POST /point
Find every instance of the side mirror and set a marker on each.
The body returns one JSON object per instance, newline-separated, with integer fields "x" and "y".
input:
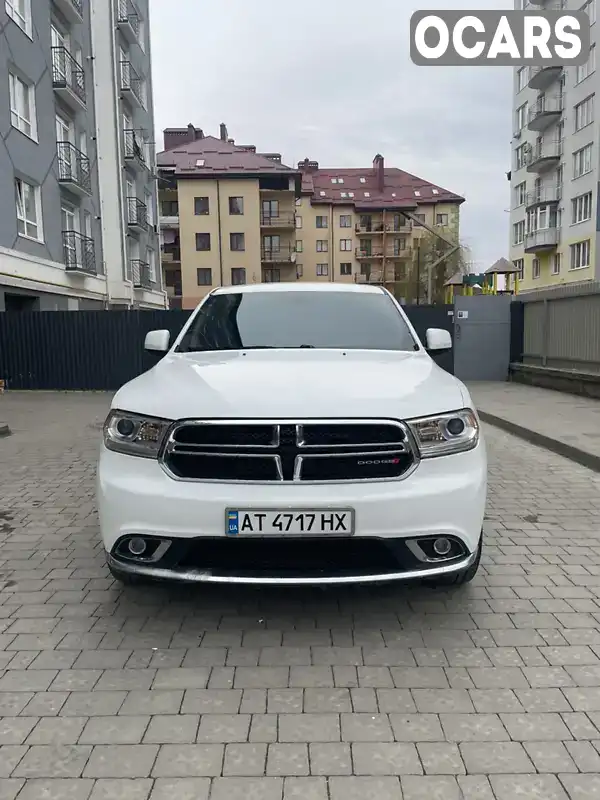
{"x": 157, "y": 341}
{"x": 438, "y": 339}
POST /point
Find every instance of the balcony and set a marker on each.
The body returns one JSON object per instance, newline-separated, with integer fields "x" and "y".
{"x": 543, "y": 197}
{"x": 128, "y": 21}
{"x": 542, "y": 241}
{"x": 171, "y": 254}
{"x": 169, "y": 222}
{"x": 399, "y": 253}
{"x": 140, "y": 274}
{"x": 544, "y": 158}
{"x": 369, "y": 228}
{"x": 72, "y": 10}
{"x": 284, "y": 254}
{"x": 405, "y": 227}
{"x": 74, "y": 169}
{"x": 368, "y": 254}
{"x": 542, "y": 77}
{"x": 133, "y": 152}
{"x": 545, "y": 112}
{"x": 131, "y": 84}
{"x": 137, "y": 215}
{"x": 79, "y": 253}
{"x": 68, "y": 78}
{"x": 282, "y": 221}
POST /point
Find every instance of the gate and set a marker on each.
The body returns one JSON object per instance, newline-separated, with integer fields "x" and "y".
{"x": 102, "y": 350}
{"x": 482, "y": 338}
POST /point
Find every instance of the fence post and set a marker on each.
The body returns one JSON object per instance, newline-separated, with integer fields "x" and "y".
{"x": 545, "y": 333}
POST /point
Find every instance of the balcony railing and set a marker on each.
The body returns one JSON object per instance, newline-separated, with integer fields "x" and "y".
{"x": 133, "y": 150}
{"x": 545, "y": 156}
{"x": 370, "y": 252}
{"x": 552, "y": 194}
{"x": 131, "y": 82}
{"x": 79, "y": 252}
{"x": 541, "y": 77}
{"x": 137, "y": 213}
{"x": 284, "y": 254}
{"x": 68, "y": 75}
{"x": 280, "y": 221}
{"x": 74, "y": 168}
{"x": 545, "y": 112}
{"x": 140, "y": 274}
{"x": 372, "y": 227}
{"x": 544, "y": 239}
{"x": 72, "y": 10}
{"x": 128, "y": 20}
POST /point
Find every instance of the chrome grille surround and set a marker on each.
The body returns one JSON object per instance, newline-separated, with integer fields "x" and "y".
{"x": 401, "y": 444}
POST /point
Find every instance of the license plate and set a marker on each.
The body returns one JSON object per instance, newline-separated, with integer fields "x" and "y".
{"x": 290, "y": 522}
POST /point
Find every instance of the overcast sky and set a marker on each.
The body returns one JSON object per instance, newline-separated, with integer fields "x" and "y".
{"x": 333, "y": 81}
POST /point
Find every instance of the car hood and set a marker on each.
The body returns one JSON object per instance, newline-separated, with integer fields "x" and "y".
{"x": 293, "y": 383}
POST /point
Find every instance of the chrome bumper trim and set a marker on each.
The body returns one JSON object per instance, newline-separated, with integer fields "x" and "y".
{"x": 206, "y": 576}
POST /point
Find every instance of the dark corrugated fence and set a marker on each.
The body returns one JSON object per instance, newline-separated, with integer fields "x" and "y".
{"x": 102, "y": 350}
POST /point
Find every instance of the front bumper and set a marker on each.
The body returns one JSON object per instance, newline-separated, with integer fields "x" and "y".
{"x": 443, "y": 497}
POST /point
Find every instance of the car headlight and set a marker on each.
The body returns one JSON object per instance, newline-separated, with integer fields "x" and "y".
{"x": 134, "y": 434}
{"x": 445, "y": 434}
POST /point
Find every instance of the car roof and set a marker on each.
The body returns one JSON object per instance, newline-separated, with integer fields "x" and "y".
{"x": 346, "y": 288}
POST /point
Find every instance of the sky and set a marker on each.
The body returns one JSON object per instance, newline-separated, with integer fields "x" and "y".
{"x": 333, "y": 81}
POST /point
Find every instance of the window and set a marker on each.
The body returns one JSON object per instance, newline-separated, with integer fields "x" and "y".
{"x": 22, "y": 105}
{"x": 299, "y": 270}
{"x": 345, "y": 220}
{"x": 520, "y": 194}
{"x": 520, "y": 265}
{"x": 203, "y": 241}
{"x": 522, "y": 78}
{"x": 583, "y": 71}
{"x": 581, "y": 208}
{"x": 204, "y": 276}
{"x": 419, "y": 219}
{"x": 170, "y": 208}
{"x": 345, "y": 269}
{"x": 271, "y": 275}
{"x": 201, "y": 206}
{"x": 519, "y": 232}
{"x": 580, "y": 255}
{"x": 521, "y": 155}
{"x": 322, "y": 246}
{"x": 299, "y": 245}
{"x": 584, "y": 113}
{"x": 29, "y": 210}
{"x": 556, "y": 264}
{"x": 270, "y": 209}
{"x": 20, "y": 12}
{"x": 535, "y": 268}
{"x": 298, "y": 221}
{"x": 582, "y": 161}
{"x": 322, "y": 269}
{"x": 345, "y": 245}
{"x": 237, "y": 241}
{"x": 238, "y": 276}
{"x": 321, "y": 222}
{"x": 441, "y": 219}
{"x": 236, "y": 205}
{"x": 521, "y": 117}
{"x": 399, "y": 245}
{"x": 335, "y": 319}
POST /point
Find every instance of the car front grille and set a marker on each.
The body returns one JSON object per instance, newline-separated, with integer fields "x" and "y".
{"x": 311, "y": 451}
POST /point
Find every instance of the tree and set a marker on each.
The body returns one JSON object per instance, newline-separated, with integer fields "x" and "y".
{"x": 428, "y": 249}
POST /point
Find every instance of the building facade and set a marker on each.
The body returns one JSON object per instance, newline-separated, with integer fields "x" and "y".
{"x": 554, "y": 174}
{"x": 232, "y": 215}
{"x": 62, "y": 247}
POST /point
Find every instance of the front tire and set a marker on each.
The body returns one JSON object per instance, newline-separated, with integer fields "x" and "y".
{"x": 460, "y": 578}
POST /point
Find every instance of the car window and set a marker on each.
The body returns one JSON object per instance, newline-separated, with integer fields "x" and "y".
{"x": 345, "y": 320}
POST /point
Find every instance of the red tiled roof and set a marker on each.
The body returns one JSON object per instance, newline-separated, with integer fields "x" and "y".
{"x": 399, "y": 188}
{"x": 211, "y": 156}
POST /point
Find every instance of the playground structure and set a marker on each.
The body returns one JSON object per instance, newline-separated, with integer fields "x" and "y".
{"x": 484, "y": 282}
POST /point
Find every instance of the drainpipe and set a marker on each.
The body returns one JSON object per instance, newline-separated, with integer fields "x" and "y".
{"x": 220, "y": 234}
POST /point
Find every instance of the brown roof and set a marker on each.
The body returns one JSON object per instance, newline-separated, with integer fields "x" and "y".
{"x": 360, "y": 188}
{"x": 455, "y": 280}
{"x": 502, "y": 267}
{"x": 210, "y": 156}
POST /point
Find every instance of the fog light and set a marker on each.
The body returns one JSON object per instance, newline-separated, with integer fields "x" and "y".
{"x": 442, "y": 547}
{"x": 137, "y": 546}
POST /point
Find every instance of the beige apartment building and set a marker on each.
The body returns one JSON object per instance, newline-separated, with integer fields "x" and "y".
{"x": 231, "y": 215}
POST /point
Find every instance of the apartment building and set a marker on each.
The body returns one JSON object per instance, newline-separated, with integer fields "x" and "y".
{"x": 554, "y": 174}
{"x": 231, "y": 215}
{"x": 77, "y": 163}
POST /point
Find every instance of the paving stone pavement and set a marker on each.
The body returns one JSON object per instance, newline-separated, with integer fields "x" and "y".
{"x": 487, "y": 691}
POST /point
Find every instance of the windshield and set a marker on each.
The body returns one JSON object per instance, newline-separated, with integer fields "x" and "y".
{"x": 340, "y": 320}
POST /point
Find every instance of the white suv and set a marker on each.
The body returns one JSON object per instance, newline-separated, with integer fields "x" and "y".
{"x": 294, "y": 434}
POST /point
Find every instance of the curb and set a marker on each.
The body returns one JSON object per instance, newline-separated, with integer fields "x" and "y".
{"x": 4, "y": 429}
{"x": 560, "y": 448}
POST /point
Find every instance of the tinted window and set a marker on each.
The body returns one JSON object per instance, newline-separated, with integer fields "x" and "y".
{"x": 344, "y": 320}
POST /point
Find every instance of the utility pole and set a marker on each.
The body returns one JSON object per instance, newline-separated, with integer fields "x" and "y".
{"x": 418, "y": 273}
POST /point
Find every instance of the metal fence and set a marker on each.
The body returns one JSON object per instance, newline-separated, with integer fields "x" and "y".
{"x": 102, "y": 350}
{"x": 562, "y": 328}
